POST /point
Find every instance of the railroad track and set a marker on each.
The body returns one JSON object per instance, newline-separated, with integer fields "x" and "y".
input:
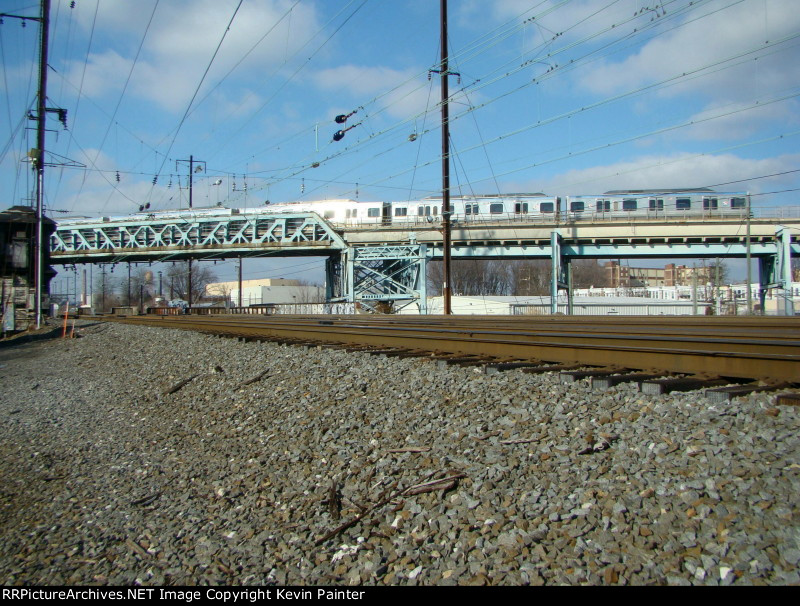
{"x": 765, "y": 349}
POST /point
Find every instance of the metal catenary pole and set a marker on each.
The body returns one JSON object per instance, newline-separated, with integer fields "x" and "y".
{"x": 40, "y": 161}
{"x": 446, "y": 238}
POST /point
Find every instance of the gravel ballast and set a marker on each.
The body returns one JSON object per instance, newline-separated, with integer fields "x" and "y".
{"x": 288, "y": 465}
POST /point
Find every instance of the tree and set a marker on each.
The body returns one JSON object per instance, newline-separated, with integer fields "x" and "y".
{"x": 109, "y": 289}
{"x": 531, "y": 277}
{"x": 500, "y": 277}
{"x": 587, "y": 273}
{"x": 468, "y": 277}
{"x": 178, "y": 278}
{"x": 717, "y": 272}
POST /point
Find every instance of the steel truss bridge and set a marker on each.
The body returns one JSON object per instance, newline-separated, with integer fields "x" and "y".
{"x": 373, "y": 263}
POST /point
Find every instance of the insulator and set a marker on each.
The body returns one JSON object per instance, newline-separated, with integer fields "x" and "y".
{"x": 340, "y": 119}
{"x": 338, "y": 135}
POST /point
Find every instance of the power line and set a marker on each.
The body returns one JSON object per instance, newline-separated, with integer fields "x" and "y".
{"x": 297, "y": 71}
{"x": 197, "y": 90}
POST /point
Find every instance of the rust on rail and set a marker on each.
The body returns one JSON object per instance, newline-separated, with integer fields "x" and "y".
{"x": 752, "y": 347}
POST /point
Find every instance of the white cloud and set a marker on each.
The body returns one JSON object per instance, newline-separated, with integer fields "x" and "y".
{"x": 705, "y": 42}
{"x": 748, "y": 120}
{"x": 684, "y": 170}
{"x": 181, "y": 41}
{"x": 403, "y": 94}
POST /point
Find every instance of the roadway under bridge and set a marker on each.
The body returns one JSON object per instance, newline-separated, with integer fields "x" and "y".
{"x": 388, "y": 263}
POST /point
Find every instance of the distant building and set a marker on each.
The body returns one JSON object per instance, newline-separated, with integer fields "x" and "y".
{"x": 266, "y": 291}
{"x": 624, "y": 276}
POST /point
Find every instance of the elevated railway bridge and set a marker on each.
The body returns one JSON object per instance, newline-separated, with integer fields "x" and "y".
{"x": 384, "y": 262}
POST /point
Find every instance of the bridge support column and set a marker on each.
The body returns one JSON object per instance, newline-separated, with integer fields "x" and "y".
{"x": 561, "y": 274}
{"x": 382, "y": 277}
{"x": 333, "y": 277}
{"x": 784, "y": 269}
{"x": 775, "y": 272}
{"x": 766, "y": 279}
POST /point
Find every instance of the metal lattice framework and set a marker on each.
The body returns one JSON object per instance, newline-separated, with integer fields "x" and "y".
{"x": 229, "y": 235}
{"x": 386, "y": 273}
{"x": 362, "y": 267}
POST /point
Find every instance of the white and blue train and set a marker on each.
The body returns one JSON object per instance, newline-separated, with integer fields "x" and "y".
{"x": 632, "y": 204}
{"x": 652, "y": 204}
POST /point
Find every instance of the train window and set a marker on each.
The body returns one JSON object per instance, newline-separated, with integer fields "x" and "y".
{"x": 576, "y": 207}
{"x": 546, "y": 207}
{"x": 420, "y": 211}
{"x": 373, "y": 212}
{"x": 400, "y": 211}
{"x": 683, "y": 203}
{"x": 521, "y": 207}
{"x": 629, "y": 204}
{"x": 329, "y": 214}
{"x": 496, "y": 209}
{"x": 603, "y": 205}
{"x": 710, "y": 203}
{"x": 471, "y": 209}
{"x": 738, "y": 202}
{"x": 656, "y": 204}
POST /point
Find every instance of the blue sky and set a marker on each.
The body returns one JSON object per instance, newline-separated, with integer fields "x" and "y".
{"x": 559, "y": 96}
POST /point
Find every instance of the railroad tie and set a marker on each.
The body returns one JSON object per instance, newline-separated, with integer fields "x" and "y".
{"x": 726, "y": 394}
{"x": 601, "y": 383}
{"x": 662, "y": 386}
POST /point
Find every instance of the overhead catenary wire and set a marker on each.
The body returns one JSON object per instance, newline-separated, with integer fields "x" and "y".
{"x": 386, "y": 144}
{"x": 75, "y": 111}
{"x": 350, "y": 149}
{"x": 456, "y": 54}
{"x": 297, "y": 71}
{"x": 197, "y": 89}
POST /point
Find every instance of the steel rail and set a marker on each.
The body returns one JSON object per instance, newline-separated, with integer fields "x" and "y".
{"x": 773, "y": 354}
{"x": 780, "y": 331}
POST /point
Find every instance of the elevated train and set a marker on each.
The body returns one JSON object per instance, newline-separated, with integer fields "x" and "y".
{"x": 652, "y": 204}
{"x": 627, "y": 204}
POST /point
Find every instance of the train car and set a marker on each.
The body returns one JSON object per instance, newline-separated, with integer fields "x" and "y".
{"x": 537, "y": 207}
{"x": 156, "y": 215}
{"x": 475, "y": 208}
{"x": 339, "y": 212}
{"x": 656, "y": 204}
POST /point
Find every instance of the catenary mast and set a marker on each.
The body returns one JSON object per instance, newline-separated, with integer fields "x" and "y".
{"x": 446, "y": 239}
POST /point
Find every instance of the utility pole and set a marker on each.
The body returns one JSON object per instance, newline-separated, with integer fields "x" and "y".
{"x": 444, "y": 73}
{"x": 40, "y": 144}
{"x": 192, "y": 170}
{"x": 747, "y": 257}
{"x": 103, "y": 289}
{"x": 240, "y": 283}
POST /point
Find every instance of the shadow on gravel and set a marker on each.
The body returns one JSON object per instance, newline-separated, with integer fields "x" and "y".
{"x": 26, "y": 338}
{"x": 42, "y": 334}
